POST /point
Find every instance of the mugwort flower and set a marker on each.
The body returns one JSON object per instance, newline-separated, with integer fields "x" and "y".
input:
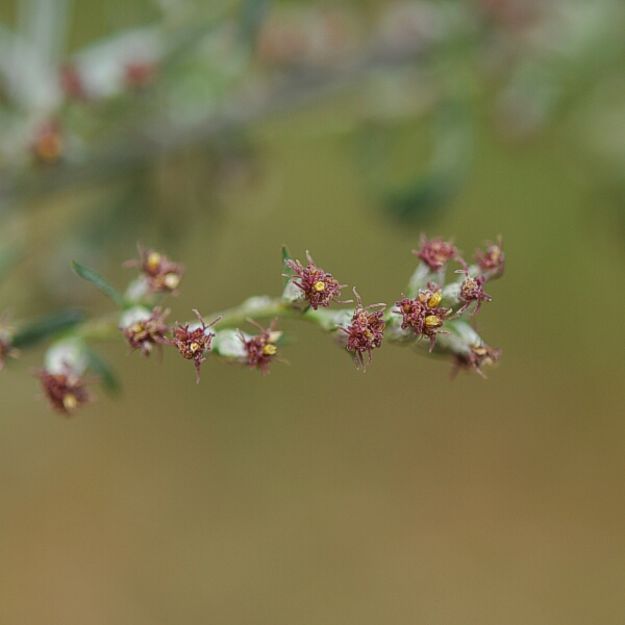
{"x": 424, "y": 313}
{"x": 261, "y": 349}
{"x": 161, "y": 274}
{"x": 318, "y": 287}
{"x": 47, "y": 144}
{"x": 65, "y": 391}
{"x": 143, "y": 329}
{"x": 193, "y": 341}
{"x": 365, "y": 331}
{"x": 436, "y": 253}
{"x": 477, "y": 355}
{"x": 472, "y": 290}
{"x": 491, "y": 260}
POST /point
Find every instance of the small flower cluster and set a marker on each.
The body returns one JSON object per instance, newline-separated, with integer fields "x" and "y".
{"x": 261, "y": 350}
{"x": 318, "y": 287}
{"x": 160, "y": 274}
{"x": 436, "y": 253}
{"x": 145, "y": 329}
{"x": 424, "y": 314}
{"x": 365, "y": 331}
{"x": 431, "y": 308}
{"x": 65, "y": 391}
{"x": 193, "y": 341}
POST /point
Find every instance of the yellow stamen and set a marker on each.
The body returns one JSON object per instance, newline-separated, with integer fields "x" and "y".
{"x": 270, "y": 349}
{"x": 319, "y": 286}
{"x": 432, "y": 321}
{"x": 70, "y": 401}
{"x": 153, "y": 261}
{"x": 194, "y": 347}
{"x": 135, "y": 328}
{"x": 436, "y": 299}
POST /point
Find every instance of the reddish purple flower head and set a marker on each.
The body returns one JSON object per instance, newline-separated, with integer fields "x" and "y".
{"x": 491, "y": 260}
{"x": 162, "y": 275}
{"x": 424, "y": 313}
{"x": 65, "y": 391}
{"x": 146, "y": 330}
{"x": 193, "y": 341}
{"x": 365, "y": 331}
{"x": 472, "y": 290}
{"x": 261, "y": 349}
{"x": 436, "y": 253}
{"x": 477, "y": 356}
{"x": 318, "y": 287}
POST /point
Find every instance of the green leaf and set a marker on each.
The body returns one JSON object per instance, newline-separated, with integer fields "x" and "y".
{"x": 99, "y": 282}
{"x": 103, "y": 370}
{"x": 288, "y": 272}
{"x": 46, "y": 327}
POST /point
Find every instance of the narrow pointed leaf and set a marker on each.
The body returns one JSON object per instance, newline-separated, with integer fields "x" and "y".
{"x": 47, "y": 327}
{"x": 99, "y": 366}
{"x": 99, "y": 282}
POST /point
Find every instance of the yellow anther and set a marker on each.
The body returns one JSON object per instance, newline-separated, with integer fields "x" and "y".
{"x": 369, "y": 335}
{"x": 70, "y": 401}
{"x": 432, "y": 321}
{"x": 153, "y": 261}
{"x": 436, "y": 299}
{"x": 135, "y": 328}
{"x": 319, "y": 286}
{"x": 270, "y": 349}
{"x": 194, "y": 347}
{"x": 171, "y": 281}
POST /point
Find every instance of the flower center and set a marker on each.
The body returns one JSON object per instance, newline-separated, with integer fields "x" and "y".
{"x": 270, "y": 349}
{"x": 319, "y": 286}
{"x": 153, "y": 261}
{"x": 432, "y": 321}
{"x": 435, "y": 299}
{"x": 70, "y": 401}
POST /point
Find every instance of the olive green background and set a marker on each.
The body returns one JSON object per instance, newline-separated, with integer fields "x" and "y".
{"x": 319, "y": 495}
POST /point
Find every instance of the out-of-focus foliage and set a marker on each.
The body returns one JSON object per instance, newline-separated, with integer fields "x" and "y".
{"x": 177, "y": 96}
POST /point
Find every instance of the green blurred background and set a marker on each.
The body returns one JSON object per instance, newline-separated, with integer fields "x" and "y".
{"x": 319, "y": 495}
